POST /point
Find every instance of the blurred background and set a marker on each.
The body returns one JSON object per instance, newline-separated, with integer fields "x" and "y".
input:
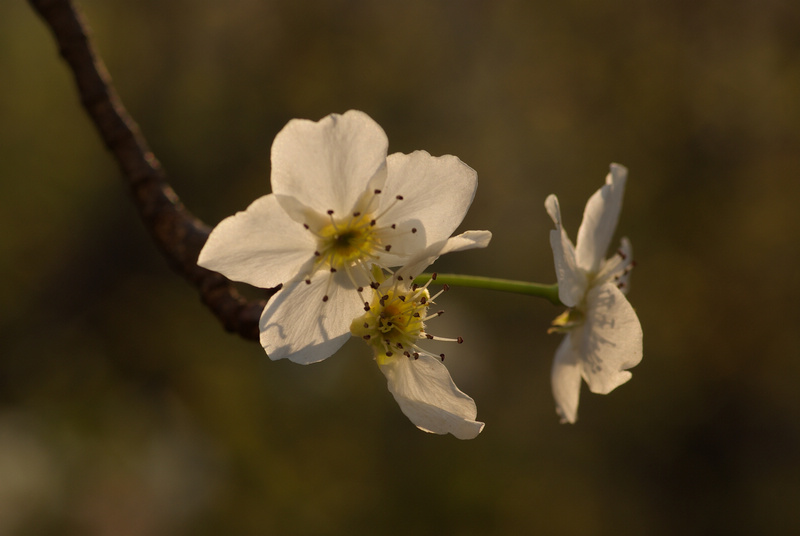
{"x": 125, "y": 409}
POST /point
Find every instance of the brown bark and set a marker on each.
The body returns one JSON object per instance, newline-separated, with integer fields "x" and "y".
{"x": 177, "y": 233}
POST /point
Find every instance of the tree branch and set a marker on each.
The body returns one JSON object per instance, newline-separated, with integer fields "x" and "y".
{"x": 177, "y": 233}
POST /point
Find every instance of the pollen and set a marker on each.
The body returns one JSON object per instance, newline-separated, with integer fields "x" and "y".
{"x": 348, "y": 241}
{"x": 394, "y": 321}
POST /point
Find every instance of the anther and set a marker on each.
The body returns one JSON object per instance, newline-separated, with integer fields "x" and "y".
{"x": 308, "y": 281}
{"x": 366, "y": 325}
{"x": 445, "y": 287}
{"x": 375, "y": 285}
{"x": 433, "y": 276}
{"x": 402, "y": 298}
{"x": 306, "y": 226}
{"x": 317, "y": 253}
{"x": 356, "y": 214}
{"x": 388, "y": 247}
{"x": 330, "y": 212}
{"x": 366, "y": 306}
{"x": 360, "y": 289}
{"x": 458, "y": 340}
{"x": 394, "y": 226}
{"x": 377, "y": 191}
{"x": 325, "y": 298}
{"x": 399, "y": 197}
{"x": 372, "y": 223}
{"x": 413, "y": 229}
{"x": 366, "y": 337}
{"x": 389, "y": 354}
{"x": 333, "y": 270}
{"x": 416, "y": 355}
{"x": 423, "y": 300}
{"x": 428, "y": 336}
{"x": 399, "y": 277}
{"x": 415, "y": 315}
{"x": 622, "y": 254}
{"x": 441, "y": 356}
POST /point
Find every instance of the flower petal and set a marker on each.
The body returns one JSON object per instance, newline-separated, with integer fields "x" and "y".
{"x": 566, "y": 380}
{"x": 298, "y": 325}
{"x": 428, "y": 397}
{"x": 600, "y": 219}
{"x": 436, "y": 192}
{"x": 466, "y": 240}
{"x": 261, "y": 246}
{"x": 327, "y": 165}
{"x": 610, "y": 340}
{"x": 571, "y": 281}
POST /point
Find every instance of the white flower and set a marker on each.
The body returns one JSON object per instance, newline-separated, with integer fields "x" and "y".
{"x": 603, "y": 334}
{"x": 338, "y": 207}
{"x": 393, "y": 324}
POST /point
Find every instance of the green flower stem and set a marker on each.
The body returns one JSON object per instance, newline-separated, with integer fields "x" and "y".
{"x": 548, "y": 292}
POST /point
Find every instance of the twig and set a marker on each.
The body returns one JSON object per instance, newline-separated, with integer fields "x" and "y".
{"x": 177, "y": 233}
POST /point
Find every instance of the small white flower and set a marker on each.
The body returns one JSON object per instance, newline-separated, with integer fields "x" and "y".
{"x": 338, "y": 207}
{"x": 603, "y": 334}
{"x": 393, "y": 325}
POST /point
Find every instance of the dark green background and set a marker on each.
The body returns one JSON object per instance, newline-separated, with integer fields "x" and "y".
{"x": 126, "y": 410}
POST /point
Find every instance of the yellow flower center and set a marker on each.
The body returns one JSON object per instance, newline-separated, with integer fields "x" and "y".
{"x": 394, "y": 322}
{"x": 343, "y": 243}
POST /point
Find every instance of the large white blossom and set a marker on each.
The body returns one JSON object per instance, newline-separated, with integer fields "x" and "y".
{"x": 603, "y": 334}
{"x": 339, "y": 207}
{"x": 394, "y": 324}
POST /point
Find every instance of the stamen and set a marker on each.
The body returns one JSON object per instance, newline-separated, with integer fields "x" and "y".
{"x": 388, "y": 208}
{"x": 444, "y": 289}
